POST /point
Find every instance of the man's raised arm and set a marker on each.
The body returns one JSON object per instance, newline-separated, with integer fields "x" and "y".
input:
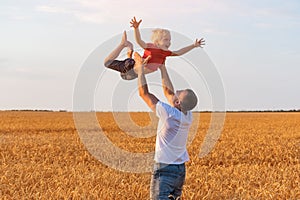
{"x": 167, "y": 84}
{"x": 149, "y": 98}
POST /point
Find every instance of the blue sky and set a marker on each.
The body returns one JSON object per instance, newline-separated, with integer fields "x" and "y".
{"x": 254, "y": 45}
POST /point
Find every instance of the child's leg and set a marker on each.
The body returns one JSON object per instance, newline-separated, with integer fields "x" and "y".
{"x": 122, "y": 66}
{"x": 116, "y": 52}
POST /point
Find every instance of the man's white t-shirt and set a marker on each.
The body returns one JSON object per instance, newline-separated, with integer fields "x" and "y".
{"x": 172, "y": 133}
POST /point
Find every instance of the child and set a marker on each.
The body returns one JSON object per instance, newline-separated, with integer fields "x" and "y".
{"x": 155, "y": 53}
{"x": 159, "y": 49}
{"x": 125, "y": 67}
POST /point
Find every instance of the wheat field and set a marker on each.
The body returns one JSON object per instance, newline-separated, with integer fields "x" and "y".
{"x": 43, "y": 157}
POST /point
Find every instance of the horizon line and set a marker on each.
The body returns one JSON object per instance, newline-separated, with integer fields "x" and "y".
{"x": 201, "y": 111}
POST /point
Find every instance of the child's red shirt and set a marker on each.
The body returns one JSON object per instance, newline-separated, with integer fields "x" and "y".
{"x": 158, "y": 56}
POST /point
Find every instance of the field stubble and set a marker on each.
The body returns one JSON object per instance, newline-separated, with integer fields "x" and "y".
{"x": 42, "y": 156}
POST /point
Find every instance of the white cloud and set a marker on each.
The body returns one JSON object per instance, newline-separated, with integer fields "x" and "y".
{"x": 100, "y": 11}
{"x": 215, "y": 31}
{"x": 14, "y": 12}
{"x": 52, "y": 9}
{"x": 81, "y": 13}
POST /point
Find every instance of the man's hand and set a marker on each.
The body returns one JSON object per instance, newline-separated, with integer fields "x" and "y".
{"x": 138, "y": 63}
{"x": 145, "y": 61}
{"x": 134, "y": 23}
{"x": 199, "y": 43}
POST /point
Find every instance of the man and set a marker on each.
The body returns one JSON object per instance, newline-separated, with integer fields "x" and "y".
{"x": 174, "y": 122}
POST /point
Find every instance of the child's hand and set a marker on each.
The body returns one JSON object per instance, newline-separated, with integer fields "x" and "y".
{"x": 134, "y": 23}
{"x": 199, "y": 43}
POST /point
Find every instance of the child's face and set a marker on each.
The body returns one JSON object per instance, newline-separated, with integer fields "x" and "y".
{"x": 165, "y": 42}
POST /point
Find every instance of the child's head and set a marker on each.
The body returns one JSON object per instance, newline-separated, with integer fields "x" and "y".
{"x": 161, "y": 38}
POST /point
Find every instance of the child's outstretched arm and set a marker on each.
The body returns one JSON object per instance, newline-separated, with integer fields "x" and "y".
{"x": 198, "y": 43}
{"x": 135, "y": 24}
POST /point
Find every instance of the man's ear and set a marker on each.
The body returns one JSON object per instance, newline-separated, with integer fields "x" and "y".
{"x": 177, "y": 102}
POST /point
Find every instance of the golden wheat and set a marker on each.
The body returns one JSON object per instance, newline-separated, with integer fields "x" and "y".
{"x": 42, "y": 157}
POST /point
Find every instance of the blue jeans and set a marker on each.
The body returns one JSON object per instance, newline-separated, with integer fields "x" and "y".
{"x": 167, "y": 180}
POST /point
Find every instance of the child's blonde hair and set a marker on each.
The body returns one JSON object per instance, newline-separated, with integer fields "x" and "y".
{"x": 158, "y": 34}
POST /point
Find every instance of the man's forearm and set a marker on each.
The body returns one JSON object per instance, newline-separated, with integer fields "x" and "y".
{"x": 142, "y": 83}
{"x": 150, "y": 99}
{"x": 166, "y": 81}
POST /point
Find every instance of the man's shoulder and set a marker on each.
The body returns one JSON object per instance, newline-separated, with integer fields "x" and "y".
{"x": 162, "y": 106}
{"x": 170, "y": 109}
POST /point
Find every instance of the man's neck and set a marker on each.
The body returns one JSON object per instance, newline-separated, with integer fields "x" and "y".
{"x": 183, "y": 111}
